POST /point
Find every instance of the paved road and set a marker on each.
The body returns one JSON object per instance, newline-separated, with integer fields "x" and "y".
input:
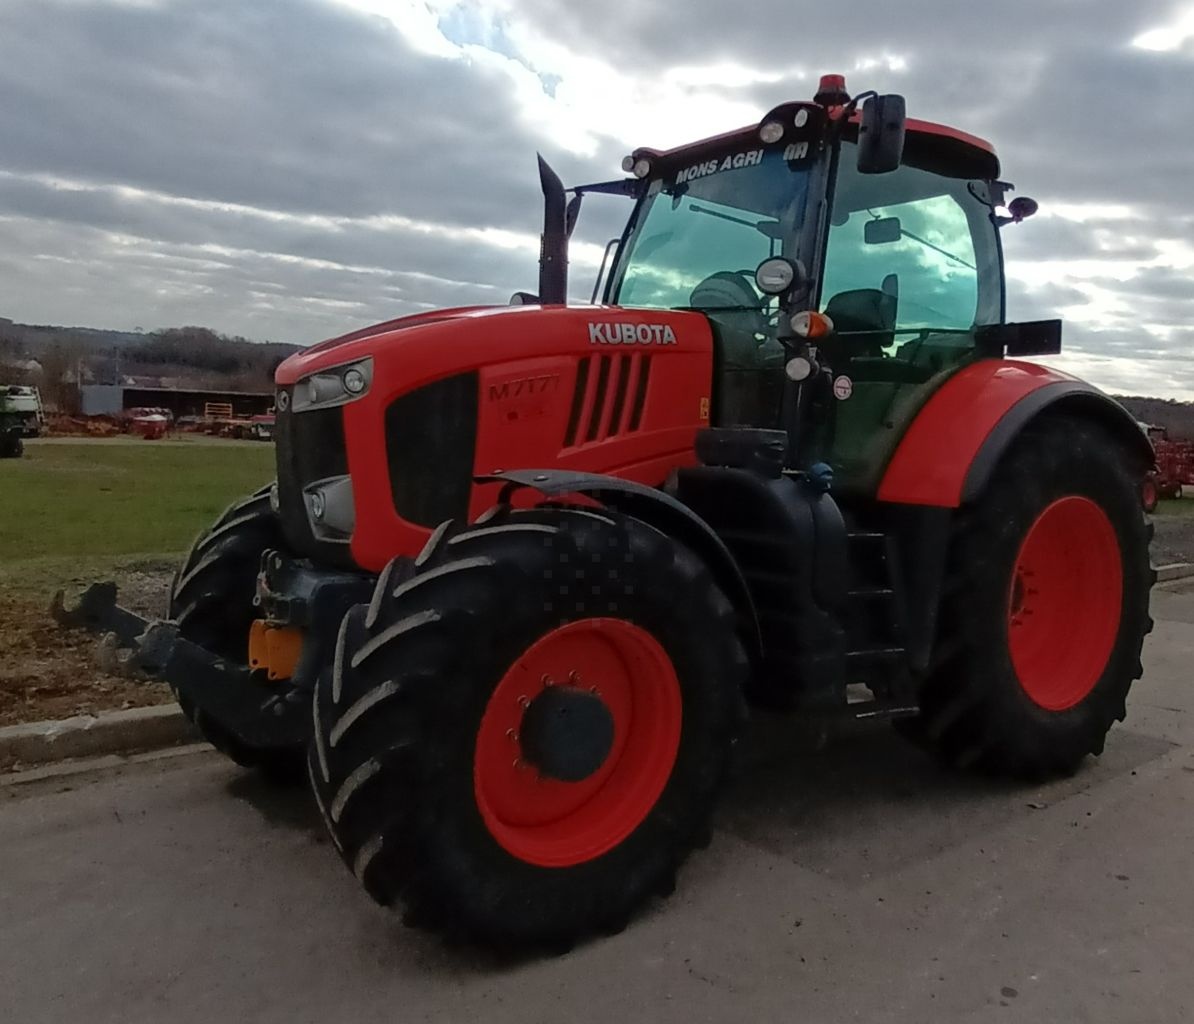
{"x": 857, "y": 884}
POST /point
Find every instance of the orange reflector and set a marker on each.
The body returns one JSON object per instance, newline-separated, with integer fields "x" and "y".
{"x": 811, "y": 324}
{"x": 275, "y": 649}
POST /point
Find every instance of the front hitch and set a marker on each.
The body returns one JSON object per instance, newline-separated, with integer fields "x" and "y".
{"x": 261, "y": 717}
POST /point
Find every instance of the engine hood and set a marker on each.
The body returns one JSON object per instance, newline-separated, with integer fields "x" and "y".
{"x": 346, "y": 347}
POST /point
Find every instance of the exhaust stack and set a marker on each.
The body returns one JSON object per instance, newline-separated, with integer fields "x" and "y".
{"x": 553, "y": 243}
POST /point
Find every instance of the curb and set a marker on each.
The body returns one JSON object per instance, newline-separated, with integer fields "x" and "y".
{"x": 117, "y": 732}
{"x": 1175, "y": 571}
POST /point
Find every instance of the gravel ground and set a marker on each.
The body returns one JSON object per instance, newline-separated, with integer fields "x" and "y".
{"x": 1173, "y": 540}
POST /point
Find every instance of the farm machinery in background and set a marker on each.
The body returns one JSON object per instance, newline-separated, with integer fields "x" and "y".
{"x": 523, "y": 569}
{"x": 12, "y": 426}
{"x": 23, "y": 405}
{"x": 1174, "y": 468}
{"x": 219, "y": 418}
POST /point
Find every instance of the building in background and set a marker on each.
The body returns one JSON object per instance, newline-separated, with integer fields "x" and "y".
{"x": 114, "y": 399}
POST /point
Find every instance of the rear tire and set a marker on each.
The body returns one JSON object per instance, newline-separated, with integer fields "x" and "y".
{"x": 409, "y": 762}
{"x": 211, "y": 598}
{"x": 1045, "y": 609}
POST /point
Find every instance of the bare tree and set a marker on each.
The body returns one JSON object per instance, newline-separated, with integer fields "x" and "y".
{"x": 61, "y": 366}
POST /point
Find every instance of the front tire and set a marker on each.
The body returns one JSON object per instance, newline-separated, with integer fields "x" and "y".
{"x": 1045, "y": 609}
{"x": 211, "y": 599}
{"x": 435, "y": 761}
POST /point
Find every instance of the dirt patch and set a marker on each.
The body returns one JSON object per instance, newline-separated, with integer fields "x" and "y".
{"x": 48, "y": 672}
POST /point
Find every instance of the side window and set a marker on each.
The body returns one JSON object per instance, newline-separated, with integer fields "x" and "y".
{"x": 919, "y": 253}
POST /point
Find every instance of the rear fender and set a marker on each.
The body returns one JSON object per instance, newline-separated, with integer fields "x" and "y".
{"x": 952, "y": 447}
{"x": 657, "y": 509}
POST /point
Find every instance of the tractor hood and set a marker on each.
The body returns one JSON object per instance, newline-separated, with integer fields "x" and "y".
{"x": 347, "y": 346}
{"x": 451, "y": 340}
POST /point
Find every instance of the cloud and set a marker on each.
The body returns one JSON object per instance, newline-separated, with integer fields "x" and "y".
{"x": 292, "y": 168}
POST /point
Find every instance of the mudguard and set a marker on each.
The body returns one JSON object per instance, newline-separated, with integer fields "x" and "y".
{"x": 658, "y": 509}
{"x": 951, "y": 448}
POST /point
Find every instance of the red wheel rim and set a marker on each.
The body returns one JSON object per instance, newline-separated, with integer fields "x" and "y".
{"x": 1150, "y": 494}
{"x": 557, "y": 824}
{"x": 1064, "y": 604}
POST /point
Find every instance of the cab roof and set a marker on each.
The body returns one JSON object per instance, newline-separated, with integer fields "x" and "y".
{"x": 935, "y": 147}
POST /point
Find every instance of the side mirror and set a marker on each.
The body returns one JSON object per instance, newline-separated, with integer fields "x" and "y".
{"x": 571, "y": 213}
{"x": 882, "y": 231}
{"x": 881, "y": 134}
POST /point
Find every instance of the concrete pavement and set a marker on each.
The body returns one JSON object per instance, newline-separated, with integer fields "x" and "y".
{"x": 860, "y": 883}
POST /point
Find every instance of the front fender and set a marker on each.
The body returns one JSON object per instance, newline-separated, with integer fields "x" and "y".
{"x": 658, "y": 509}
{"x": 948, "y": 453}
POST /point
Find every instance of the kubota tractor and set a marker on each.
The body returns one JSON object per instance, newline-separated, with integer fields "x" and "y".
{"x": 524, "y": 568}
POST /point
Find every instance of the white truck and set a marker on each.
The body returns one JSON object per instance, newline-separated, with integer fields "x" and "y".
{"x": 24, "y": 401}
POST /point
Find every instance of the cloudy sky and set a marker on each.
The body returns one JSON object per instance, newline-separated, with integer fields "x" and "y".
{"x": 289, "y": 169}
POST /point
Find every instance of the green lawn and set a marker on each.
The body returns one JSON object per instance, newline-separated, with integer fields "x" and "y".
{"x": 1175, "y": 507}
{"x": 99, "y": 498}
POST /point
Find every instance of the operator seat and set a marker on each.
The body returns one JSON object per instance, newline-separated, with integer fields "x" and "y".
{"x": 862, "y": 310}
{"x": 744, "y": 349}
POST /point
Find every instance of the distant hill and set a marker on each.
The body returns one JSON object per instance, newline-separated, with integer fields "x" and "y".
{"x": 1176, "y": 417}
{"x": 194, "y": 357}
{"x": 36, "y": 336}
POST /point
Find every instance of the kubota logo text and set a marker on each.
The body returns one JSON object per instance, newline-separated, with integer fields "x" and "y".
{"x": 631, "y": 334}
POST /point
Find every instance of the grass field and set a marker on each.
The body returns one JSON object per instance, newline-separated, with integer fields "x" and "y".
{"x": 103, "y": 498}
{"x": 1175, "y": 507}
{"x": 76, "y": 511}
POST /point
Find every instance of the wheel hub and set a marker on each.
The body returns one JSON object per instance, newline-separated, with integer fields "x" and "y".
{"x": 566, "y": 767}
{"x": 567, "y": 733}
{"x": 1064, "y": 602}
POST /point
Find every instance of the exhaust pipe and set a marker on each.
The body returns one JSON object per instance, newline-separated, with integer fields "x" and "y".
{"x": 553, "y": 243}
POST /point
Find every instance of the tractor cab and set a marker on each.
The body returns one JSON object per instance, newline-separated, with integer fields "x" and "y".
{"x": 900, "y": 256}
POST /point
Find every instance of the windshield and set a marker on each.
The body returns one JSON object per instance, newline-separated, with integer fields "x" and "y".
{"x": 727, "y": 214}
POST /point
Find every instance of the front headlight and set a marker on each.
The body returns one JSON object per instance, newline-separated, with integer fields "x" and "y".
{"x": 337, "y": 386}
{"x": 330, "y": 509}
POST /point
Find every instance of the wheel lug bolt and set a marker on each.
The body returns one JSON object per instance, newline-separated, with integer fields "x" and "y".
{"x": 511, "y": 735}
{"x": 574, "y": 677}
{"x": 546, "y": 680}
{"x": 523, "y": 702}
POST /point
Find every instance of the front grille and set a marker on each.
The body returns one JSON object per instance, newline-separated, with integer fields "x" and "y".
{"x": 608, "y": 397}
{"x": 309, "y": 446}
{"x": 431, "y": 436}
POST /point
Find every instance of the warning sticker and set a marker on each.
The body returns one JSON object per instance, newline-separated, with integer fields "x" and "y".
{"x": 843, "y": 388}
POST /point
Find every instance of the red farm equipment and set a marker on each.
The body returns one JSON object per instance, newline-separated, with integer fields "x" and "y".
{"x": 524, "y": 569}
{"x": 1174, "y": 468}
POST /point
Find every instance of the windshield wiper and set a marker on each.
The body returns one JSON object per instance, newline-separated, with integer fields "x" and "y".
{"x": 936, "y": 248}
{"x": 768, "y": 228}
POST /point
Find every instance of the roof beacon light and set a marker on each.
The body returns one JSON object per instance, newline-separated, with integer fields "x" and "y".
{"x": 642, "y": 168}
{"x": 832, "y": 91}
{"x": 628, "y": 164}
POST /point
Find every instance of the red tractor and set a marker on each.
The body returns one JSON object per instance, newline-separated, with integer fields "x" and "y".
{"x": 524, "y": 568}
